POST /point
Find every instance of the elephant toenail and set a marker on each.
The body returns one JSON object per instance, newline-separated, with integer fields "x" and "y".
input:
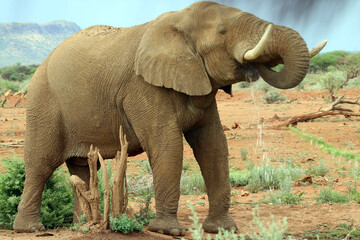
{"x": 175, "y": 232}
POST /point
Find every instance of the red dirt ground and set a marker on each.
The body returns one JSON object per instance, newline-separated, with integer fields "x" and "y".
{"x": 245, "y": 108}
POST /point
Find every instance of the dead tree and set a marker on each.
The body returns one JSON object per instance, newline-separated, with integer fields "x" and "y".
{"x": 7, "y": 94}
{"x": 119, "y": 199}
{"x": 333, "y": 91}
{"x": 331, "y": 110}
{"x": 22, "y": 95}
{"x": 89, "y": 195}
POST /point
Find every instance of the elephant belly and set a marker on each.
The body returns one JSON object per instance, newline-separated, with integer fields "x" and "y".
{"x": 99, "y": 128}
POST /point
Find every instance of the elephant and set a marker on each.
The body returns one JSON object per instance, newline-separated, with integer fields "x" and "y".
{"x": 158, "y": 81}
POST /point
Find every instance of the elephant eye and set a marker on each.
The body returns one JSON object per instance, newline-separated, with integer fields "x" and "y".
{"x": 222, "y": 30}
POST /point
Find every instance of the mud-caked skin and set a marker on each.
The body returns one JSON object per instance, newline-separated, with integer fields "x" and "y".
{"x": 158, "y": 80}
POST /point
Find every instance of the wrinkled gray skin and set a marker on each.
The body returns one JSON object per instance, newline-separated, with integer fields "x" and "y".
{"x": 158, "y": 80}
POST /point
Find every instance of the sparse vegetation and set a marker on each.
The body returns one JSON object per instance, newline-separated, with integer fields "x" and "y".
{"x": 273, "y": 96}
{"x": 192, "y": 183}
{"x": 319, "y": 169}
{"x": 328, "y": 195}
{"x": 260, "y": 230}
{"x": 270, "y": 177}
{"x": 145, "y": 214}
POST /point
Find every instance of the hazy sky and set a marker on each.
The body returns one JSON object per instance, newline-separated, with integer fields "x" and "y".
{"x": 335, "y": 20}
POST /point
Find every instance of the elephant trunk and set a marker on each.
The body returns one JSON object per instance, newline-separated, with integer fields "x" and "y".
{"x": 280, "y": 45}
{"x": 289, "y": 46}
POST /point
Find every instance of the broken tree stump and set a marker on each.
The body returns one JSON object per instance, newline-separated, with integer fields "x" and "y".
{"x": 82, "y": 191}
{"x": 89, "y": 195}
{"x": 94, "y": 184}
{"x": 119, "y": 198}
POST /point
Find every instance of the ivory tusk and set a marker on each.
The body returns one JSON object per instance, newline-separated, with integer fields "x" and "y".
{"x": 259, "y": 48}
{"x": 315, "y": 50}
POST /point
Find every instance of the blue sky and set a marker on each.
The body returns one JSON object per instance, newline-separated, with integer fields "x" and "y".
{"x": 325, "y": 19}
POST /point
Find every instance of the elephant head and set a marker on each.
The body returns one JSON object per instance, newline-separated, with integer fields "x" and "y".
{"x": 208, "y": 46}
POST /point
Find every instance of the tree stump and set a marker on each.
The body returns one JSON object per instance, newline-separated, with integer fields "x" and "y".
{"x": 89, "y": 195}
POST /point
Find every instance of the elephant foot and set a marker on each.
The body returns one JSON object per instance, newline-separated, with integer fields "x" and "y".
{"x": 167, "y": 225}
{"x": 213, "y": 223}
{"x": 27, "y": 225}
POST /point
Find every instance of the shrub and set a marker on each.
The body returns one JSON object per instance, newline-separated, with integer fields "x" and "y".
{"x": 141, "y": 185}
{"x": 57, "y": 201}
{"x": 261, "y": 85}
{"x": 331, "y": 80}
{"x": 271, "y": 177}
{"x": 238, "y": 178}
{"x": 261, "y": 230}
{"x": 243, "y": 84}
{"x": 145, "y": 215}
{"x": 319, "y": 170}
{"x": 124, "y": 224}
{"x": 75, "y": 226}
{"x": 321, "y": 62}
{"x": 192, "y": 183}
{"x": 273, "y": 96}
{"x": 284, "y": 197}
{"x": 328, "y": 195}
{"x": 9, "y": 85}
{"x": 17, "y": 72}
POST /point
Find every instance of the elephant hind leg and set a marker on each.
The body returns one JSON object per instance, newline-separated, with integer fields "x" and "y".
{"x": 43, "y": 154}
{"x": 28, "y": 217}
{"x": 79, "y": 166}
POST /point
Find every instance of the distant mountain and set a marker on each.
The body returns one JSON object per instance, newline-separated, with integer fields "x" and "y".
{"x": 31, "y": 43}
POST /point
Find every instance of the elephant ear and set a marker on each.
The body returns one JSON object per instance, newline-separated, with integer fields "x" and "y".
{"x": 165, "y": 58}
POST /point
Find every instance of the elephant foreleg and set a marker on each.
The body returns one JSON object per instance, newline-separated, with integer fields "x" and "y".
{"x": 166, "y": 165}
{"x": 210, "y": 149}
{"x": 161, "y": 139}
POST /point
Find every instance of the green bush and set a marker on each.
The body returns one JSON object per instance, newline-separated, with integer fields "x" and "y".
{"x": 145, "y": 215}
{"x": 328, "y": 195}
{"x": 273, "y": 96}
{"x": 57, "y": 201}
{"x": 192, "y": 184}
{"x": 331, "y": 80}
{"x": 321, "y": 62}
{"x": 267, "y": 230}
{"x": 319, "y": 170}
{"x": 17, "y": 72}
{"x": 124, "y": 224}
{"x": 284, "y": 197}
{"x": 261, "y": 85}
{"x": 141, "y": 185}
{"x": 268, "y": 177}
{"x": 350, "y": 62}
{"x": 261, "y": 230}
{"x": 9, "y": 85}
{"x": 238, "y": 178}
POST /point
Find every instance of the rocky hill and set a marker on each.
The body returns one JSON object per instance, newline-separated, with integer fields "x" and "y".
{"x": 30, "y": 43}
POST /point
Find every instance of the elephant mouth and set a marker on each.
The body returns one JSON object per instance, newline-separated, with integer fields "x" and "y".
{"x": 246, "y": 72}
